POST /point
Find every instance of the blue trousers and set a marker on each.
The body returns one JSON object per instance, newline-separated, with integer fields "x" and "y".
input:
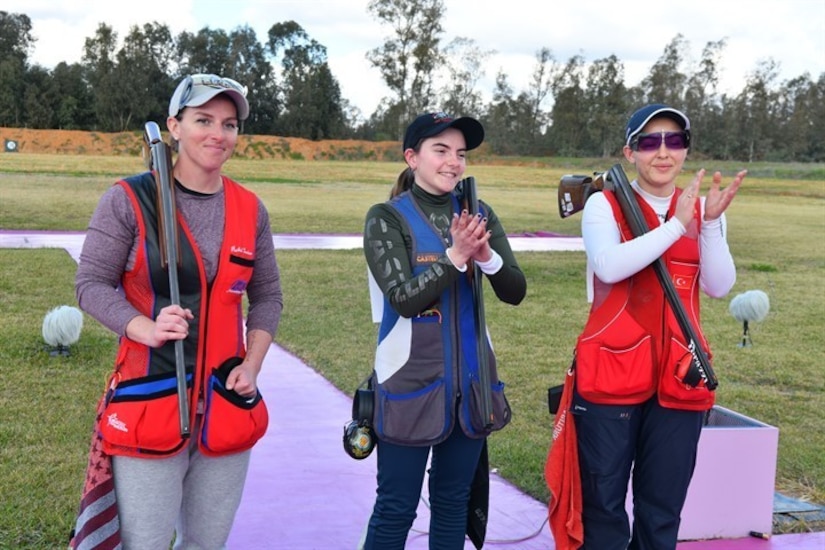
{"x": 400, "y": 477}
{"x": 659, "y": 445}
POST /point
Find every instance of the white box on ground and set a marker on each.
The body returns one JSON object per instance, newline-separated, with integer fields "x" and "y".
{"x": 732, "y": 490}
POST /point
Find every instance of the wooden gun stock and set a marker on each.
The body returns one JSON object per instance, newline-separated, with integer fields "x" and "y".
{"x": 574, "y": 190}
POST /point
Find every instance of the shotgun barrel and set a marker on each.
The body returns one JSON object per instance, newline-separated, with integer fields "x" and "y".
{"x": 161, "y": 164}
{"x": 476, "y": 278}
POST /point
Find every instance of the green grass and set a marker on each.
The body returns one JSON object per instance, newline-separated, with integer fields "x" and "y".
{"x": 776, "y": 233}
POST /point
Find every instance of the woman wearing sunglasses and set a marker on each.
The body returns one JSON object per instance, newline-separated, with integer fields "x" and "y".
{"x": 167, "y": 485}
{"x": 631, "y": 409}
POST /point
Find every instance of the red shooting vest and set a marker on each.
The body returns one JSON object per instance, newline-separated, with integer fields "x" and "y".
{"x": 631, "y": 346}
{"x": 141, "y": 404}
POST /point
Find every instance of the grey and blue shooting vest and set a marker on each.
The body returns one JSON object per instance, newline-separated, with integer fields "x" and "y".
{"x": 426, "y": 371}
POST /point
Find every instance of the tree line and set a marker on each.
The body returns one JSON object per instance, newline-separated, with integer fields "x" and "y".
{"x": 571, "y": 108}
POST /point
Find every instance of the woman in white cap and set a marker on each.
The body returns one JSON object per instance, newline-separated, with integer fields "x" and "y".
{"x": 169, "y": 486}
{"x": 420, "y": 246}
{"x": 632, "y": 407}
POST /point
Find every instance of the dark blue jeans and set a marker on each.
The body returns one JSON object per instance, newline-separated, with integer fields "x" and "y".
{"x": 659, "y": 445}
{"x": 400, "y": 476}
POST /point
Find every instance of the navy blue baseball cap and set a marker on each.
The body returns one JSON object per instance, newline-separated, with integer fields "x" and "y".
{"x": 640, "y": 118}
{"x": 432, "y": 124}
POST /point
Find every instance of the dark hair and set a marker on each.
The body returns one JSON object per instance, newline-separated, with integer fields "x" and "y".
{"x": 404, "y": 182}
{"x": 406, "y": 178}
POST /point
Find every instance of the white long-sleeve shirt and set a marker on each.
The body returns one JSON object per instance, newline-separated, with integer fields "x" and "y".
{"x": 612, "y": 260}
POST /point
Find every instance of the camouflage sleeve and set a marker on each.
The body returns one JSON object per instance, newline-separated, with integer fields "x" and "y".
{"x": 387, "y": 245}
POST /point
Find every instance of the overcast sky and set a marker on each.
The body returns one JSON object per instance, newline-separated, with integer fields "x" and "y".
{"x": 791, "y": 32}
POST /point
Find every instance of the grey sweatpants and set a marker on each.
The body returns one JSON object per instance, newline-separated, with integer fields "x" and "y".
{"x": 189, "y": 496}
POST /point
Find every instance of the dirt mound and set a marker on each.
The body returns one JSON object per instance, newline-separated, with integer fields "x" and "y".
{"x": 75, "y": 142}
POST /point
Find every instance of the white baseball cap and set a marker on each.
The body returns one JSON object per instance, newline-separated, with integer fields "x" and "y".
{"x": 197, "y": 89}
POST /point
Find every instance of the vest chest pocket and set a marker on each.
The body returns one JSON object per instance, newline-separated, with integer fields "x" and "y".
{"x": 234, "y": 280}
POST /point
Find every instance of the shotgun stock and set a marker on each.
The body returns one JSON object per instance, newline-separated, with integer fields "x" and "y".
{"x": 574, "y": 190}
{"x": 160, "y": 161}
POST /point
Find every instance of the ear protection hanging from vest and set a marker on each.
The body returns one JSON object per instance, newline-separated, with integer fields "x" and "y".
{"x": 359, "y": 438}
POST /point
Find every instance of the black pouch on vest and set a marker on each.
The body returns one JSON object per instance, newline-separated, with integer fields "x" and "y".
{"x": 363, "y": 406}
{"x": 359, "y": 438}
{"x": 554, "y": 398}
{"x": 554, "y": 393}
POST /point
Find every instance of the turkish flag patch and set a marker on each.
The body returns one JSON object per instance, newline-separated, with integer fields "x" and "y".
{"x": 682, "y": 282}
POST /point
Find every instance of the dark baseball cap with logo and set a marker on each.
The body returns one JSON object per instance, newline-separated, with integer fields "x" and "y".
{"x": 432, "y": 124}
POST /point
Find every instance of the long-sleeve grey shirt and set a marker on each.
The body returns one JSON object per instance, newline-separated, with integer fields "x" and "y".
{"x": 112, "y": 240}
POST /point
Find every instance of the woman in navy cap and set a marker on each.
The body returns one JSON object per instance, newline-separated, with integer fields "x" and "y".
{"x": 631, "y": 408}
{"x": 167, "y": 486}
{"x": 420, "y": 246}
